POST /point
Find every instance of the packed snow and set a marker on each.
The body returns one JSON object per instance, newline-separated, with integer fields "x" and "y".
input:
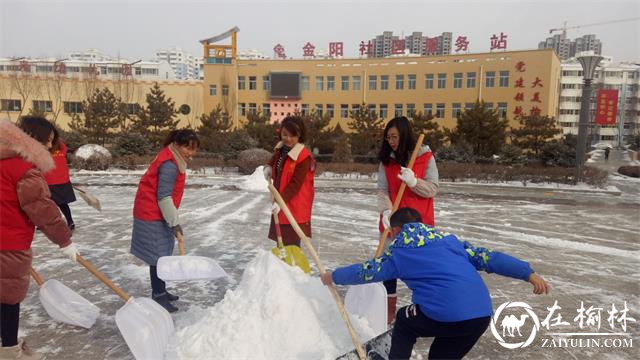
{"x": 89, "y": 150}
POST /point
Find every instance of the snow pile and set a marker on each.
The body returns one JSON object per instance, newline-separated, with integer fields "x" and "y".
{"x": 255, "y": 181}
{"x": 88, "y": 150}
{"x": 276, "y": 312}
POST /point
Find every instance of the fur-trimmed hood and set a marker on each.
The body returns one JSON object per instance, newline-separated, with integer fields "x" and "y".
{"x": 15, "y": 142}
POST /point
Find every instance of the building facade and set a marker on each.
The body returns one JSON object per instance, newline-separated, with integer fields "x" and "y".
{"x": 387, "y": 44}
{"x": 185, "y": 65}
{"x": 566, "y": 48}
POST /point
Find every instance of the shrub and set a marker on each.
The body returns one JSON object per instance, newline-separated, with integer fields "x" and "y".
{"x": 249, "y": 160}
{"x": 342, "y": 152}
{"x": 558, "y": 153}
{"x": 238, "y": 141}
{"x": 461, "y": 152}
{"x": 94, "y": 162}
{"x": 510, "y": 155}
{"x": 73, "y": 140}
{"x": 131, "y": 143}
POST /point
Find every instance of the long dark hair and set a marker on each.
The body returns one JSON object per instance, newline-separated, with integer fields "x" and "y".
{"x": 406, "y": 143}
{"x": 38, "y": 128}
{"x": 183, "y": 137}
{"x": 295, "y": 126}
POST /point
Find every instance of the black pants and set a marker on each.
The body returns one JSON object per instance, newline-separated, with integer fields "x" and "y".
{"x": 9, "y": 319}
{"x": 453, "y": 340}
{"x": 158, "y": 286}
{"x": 391, "y": 286}
{"x": 66, "y": 211}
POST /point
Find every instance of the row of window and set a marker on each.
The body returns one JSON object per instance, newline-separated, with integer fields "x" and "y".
{"x": 70, "y": 107}
{"x": 382, "y": 110}
{"x": 104, "y": 70}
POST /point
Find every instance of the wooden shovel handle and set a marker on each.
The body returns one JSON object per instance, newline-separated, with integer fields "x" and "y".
{"x": 312, "y": 251}
{"x": 180, "y": 244}
{"x": 36, "y": 277}
{"x": 77, "y": 188}
{"x": 276, "y": 224}
{"x": 102, "y": 277}
{"x": 403, "y": 186}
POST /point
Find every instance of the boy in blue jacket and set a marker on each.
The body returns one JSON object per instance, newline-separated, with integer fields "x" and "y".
{"x": 450, "y": 300}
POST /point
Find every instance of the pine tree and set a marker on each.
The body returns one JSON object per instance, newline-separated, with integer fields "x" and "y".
{"x": 158, "y": 117}
{"x": 425, "y": 124}
{"x": 342, "y": 151}
{"x": 212, "y": 130}
{"x": 368, "y": 129}
{"x": 481, "y": 128}
{"x": 534, "y": 132}
{"x": 318, "y": 136}
{"x": 100, "y": 117}
{"x": 259, "y": 128}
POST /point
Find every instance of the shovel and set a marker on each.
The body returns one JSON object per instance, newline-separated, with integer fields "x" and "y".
{"x": 64, "y": 304}
{"x": 145, "y": 325}
{"x": 89, "y": 199}
{"x": 377, "y": 348}
{"x": 180, "y": 268}
{"x": 312, "y": 251}
{"x": 290, "y": 254}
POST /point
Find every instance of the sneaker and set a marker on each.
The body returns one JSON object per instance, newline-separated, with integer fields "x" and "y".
{"x": 164, "y": 302}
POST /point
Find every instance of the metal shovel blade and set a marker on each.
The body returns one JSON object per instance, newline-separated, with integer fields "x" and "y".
{"x": 370, "y": 302}
{"x": 146, "y": 327}
{"x": 65, "y": 305}
{"x": 179, "y": 268}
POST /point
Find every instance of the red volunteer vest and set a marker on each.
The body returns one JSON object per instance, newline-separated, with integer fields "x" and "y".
{"x": 59, "y": 174}
{"x": 145, "y": 206}
{"x": 301, "y": 203}
{"x": 16, "y": 230}
{"x": 410, "y": 199}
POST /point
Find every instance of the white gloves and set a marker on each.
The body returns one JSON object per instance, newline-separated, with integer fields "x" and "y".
{"x": 70, "y": 251}
{"x": 386, "y": 219}
{"x": 408, "y": 177}
{"x": 275, "y": 208}
{"x": 266, "y": 170}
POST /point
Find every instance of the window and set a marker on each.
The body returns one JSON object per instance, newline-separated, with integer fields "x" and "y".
{"x": 266, "y": 109}
{"x": 253, "y": 83}
{"x": 504, "y": 79}
{"x": 344, "y": 83}
{"x": 319, "y": 108}
{"x": 427, "y": 109}
{"x": 412, "y": 81}
{"x": 42, "y": 105}
{"x": 305, "y": 109}
{"x": 355, "y": 83}
{"x": 253, "y": 108}
{"x": 428, "y": 81}
{"x": 384, "y": 82}
{"x": 440, "y": 111}
{"x": 457, "y": 80}
{"x": 502, "y": 110}
{"x": 468, "y": 106}
{"x": 225, "y": 90}
{"x": 330, "y": 111}
{"x": 399, "y": 82}
{"x": 241, "y": 83}
{"x": 372, "y": 109}
{"x": 383, "y": 111}
{"x": 398, "y": 110}
{"x": 266, "y": 83}
{"x": 319, "y": 83}
{"x": 242, "y": 110}
{"x": 11, "y": 105}
{"x": 331, "y": 83}
{"x": 304, "y": 83}
{"x": 213, "y": 90}
{"x": 455, "y": 108}
{"x": 471, "y": 80}
{"x": 373, "y": 82}
{"x": 344, "y": 111}
{"x": 72, "y": 107}
{"x": 355, "y": 107}
{"x": 491, "y": 79}
{"x": 488, "y": 106}
{"x": 411, "y": 110}
{"x": 131, "y": 109}
{"x": 442, "y": 81}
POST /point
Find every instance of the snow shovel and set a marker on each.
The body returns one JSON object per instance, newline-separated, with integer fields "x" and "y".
{"x": 180, "y": 268}
{"x": 145, "y": 325}
{"x": 64, "y": 304}
{"x": 377, "y": 348}
{"x": 290, "y": 254}
{"x": 89, "y": 199}
{"x": 312, "y": 251}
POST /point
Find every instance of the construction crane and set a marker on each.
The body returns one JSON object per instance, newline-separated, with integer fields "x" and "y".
{"x": 565, "y": 27}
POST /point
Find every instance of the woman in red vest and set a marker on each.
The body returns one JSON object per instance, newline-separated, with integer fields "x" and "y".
{"x": 25, "y": 204}
{"x": 292, "y": 169}
{"x": 155, "y": 210}
{"x": 59, "y": 181}
{"x": 422, "y": 183}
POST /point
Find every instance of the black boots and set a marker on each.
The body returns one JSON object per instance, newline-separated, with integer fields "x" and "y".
{"x": 163, "y": 300}
{"x": 172, "y": 297}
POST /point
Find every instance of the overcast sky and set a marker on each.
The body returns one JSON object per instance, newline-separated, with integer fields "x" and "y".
{"x": 134, "y": 29}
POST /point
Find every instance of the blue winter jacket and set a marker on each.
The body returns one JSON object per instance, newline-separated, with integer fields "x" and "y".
{"x": 440, "y": 270}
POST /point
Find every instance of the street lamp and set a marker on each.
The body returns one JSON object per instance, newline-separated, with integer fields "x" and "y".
{"x": 589, "y": 64}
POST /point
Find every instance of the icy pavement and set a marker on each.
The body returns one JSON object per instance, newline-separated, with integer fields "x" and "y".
{"x": 587, "y": 246}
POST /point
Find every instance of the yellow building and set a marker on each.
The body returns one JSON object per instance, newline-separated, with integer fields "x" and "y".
{"x": 515, "y": 82}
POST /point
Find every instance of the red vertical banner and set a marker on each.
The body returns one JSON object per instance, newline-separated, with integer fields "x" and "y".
{"x": 607, "y": 106}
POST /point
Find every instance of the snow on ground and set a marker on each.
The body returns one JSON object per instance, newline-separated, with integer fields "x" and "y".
{"x": 585, "y": 244}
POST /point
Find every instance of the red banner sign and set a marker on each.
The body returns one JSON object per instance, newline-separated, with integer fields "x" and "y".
{"x": 607, "y": 106}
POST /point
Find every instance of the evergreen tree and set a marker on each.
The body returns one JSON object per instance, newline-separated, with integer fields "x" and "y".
{"x": 259, "y": 128}
{"x": 318, "y": 136}
{"x": 481, "y": 128}
{"x": 534, "y": 132}
{"x": 158, "y": 117}
{"x": 368, "y": 130}
{"x": 212, "y": 130}
{"x": 425, "y": 124}
{"x": 100, "y": 117}
{"x": 342, "y": 151}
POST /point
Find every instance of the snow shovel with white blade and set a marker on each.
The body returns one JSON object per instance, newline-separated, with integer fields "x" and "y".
{"x": 89, "y": 199}
{"x": 334, "y": 293}
{"x": 373, "y": 293}
{"x": 145, "y": 325}
{"x": 64, "y": 304}
{"x": 180, "y": 268}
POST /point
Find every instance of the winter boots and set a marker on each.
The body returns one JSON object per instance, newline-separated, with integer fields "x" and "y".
{"x": 391, "y": 308}
{"x": 20, "y": 351}
{"x": 163, "y": 300}
{"x": 172, "y": 297}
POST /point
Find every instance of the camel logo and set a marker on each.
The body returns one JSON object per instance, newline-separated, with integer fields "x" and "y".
{"x": 511, "y": 325}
